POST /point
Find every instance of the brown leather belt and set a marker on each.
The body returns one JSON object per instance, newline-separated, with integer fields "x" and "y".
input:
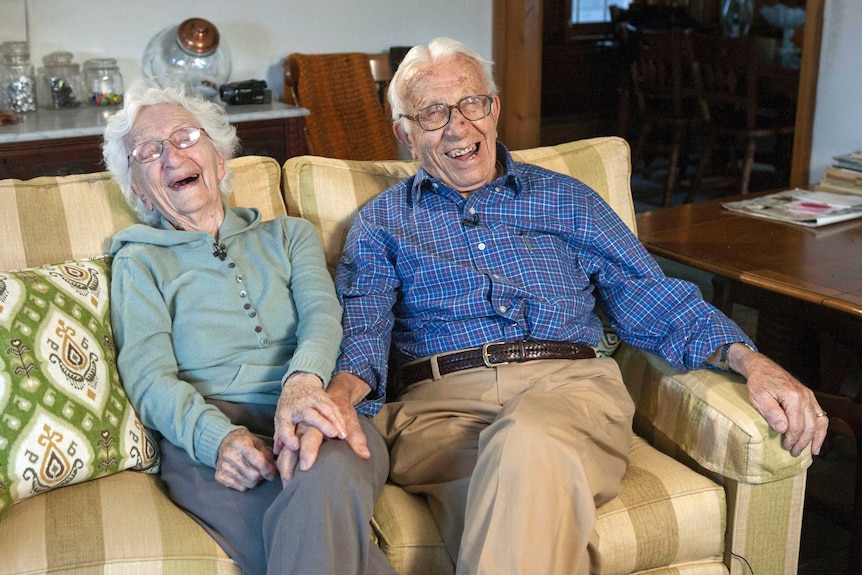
{"x": 489, "y": 355}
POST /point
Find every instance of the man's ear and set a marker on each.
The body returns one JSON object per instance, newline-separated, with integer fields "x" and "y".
{"x": 403, "y": 136}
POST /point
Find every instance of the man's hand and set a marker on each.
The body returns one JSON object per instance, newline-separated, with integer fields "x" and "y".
{"x": 243, "y": 461}
{"x": 306, "y": 415}
{"x": 788, "y": 406}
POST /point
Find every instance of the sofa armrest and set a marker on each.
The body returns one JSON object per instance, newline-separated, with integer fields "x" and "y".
{"x": 706, "y": 415}
{"x": 704, "y": 419}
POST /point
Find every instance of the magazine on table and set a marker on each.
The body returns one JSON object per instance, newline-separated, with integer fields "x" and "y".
{"x": 802, "y": 207}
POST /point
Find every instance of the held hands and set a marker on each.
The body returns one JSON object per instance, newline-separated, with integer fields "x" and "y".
{"x": 788, "y": 406}
{"x": 306, "y": 414}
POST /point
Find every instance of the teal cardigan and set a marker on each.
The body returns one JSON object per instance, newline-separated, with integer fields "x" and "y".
{"x": 190, "y": 325}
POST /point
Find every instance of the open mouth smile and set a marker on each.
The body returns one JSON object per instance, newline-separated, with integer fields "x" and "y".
{"x": 464, "y": 153}
{"x": 179, "y": 184}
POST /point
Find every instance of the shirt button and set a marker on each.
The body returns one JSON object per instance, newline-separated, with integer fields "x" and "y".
{"x": 246, "y": 306}
{"x": 472, "y": 211}
{"x": 252, "y": 314}
{"x": 243, "y": 293}
{"x": 258, "y": 329}
{"x": 239, "y": 279}
{"x": 495, "y": 276}
{"x": 264, "y": 341}
{"x": 503, "y": 309}
{"x": 231, "y": 265}
{"x": 481, "y": 246}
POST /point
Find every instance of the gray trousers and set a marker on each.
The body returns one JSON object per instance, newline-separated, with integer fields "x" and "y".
{"x": 318, "y": 524}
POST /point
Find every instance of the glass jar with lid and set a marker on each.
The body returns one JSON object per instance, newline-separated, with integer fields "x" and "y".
{"x": 103, "y": 82}
{"x": 60, "y": 82}
{"x": 17, "y": 78}
{"x": 192, "y": 54}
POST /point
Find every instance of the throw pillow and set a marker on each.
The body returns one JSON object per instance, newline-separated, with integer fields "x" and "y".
{"x": 64, "y": 416}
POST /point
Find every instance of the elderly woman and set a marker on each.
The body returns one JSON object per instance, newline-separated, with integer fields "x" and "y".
{"x": 228, "y": 329}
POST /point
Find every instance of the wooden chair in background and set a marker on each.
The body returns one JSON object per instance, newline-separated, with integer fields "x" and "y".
{"x": 345, "y": 93}
{"x": 664, "y": 103}
{"x": 725, "y": 73}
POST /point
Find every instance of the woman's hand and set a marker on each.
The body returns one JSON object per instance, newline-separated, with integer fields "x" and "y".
{"x": 303, "y": 400}
{"x": 298, "y": 438}
{"x": 244, "y": 460}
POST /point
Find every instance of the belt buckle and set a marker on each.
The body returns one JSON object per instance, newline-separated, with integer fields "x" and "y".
{"x": 486, "y": 357}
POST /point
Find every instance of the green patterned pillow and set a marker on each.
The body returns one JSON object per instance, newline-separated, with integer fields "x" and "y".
{"x": 64, "y": 416}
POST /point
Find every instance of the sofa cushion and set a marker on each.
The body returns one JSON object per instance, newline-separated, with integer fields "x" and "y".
{"x": 123, "y": 524}
{"x": 329, "y": 192}
{"x": 66, "y": 418}
{"x": 665, "y": 515}
{"x": 55, "y": 219}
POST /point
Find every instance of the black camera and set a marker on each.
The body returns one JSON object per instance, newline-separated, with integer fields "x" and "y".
{"x": 245, "y": 92}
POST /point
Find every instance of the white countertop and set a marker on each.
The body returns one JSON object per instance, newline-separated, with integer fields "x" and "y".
{"x": 87, "y": 120}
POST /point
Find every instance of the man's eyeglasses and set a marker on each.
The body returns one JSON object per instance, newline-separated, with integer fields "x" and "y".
{"x": 437, "y": 116}
{"x": 146, "y": 152}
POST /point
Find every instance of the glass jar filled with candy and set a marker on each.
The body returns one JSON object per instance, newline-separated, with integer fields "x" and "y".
{"x": 17, "y": 78}
{"x": 60, "y": 82}
{"x": 103, "y": 82}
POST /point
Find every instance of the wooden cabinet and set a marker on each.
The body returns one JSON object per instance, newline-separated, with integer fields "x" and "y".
{"x": 280, "y": 138}
{"x": 54, "y": 157}
{"x": 58, "y": 143}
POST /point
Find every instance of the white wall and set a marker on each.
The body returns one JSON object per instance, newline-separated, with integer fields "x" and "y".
{"x": 838, "y": 115}
{"x": 260, "y": 33}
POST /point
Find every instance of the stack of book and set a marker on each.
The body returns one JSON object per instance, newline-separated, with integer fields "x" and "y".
{"x": 844, "y": 176}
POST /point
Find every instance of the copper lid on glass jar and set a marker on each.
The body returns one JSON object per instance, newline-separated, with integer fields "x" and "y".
{"x": 198, "y": 36}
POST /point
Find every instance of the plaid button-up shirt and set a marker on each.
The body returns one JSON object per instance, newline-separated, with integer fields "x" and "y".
{"x": 528, "y": 256}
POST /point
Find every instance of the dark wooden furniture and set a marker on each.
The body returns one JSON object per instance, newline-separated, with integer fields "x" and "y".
{"x": 815, "y": 265}
{"x": 664, "y": 103}
{"x": 62, "y": 142}
{"x": 725, "y": 72}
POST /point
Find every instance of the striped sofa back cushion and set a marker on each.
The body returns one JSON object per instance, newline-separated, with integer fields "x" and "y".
{"x": 329, "y": 193}
{"x": 50, "y": 220}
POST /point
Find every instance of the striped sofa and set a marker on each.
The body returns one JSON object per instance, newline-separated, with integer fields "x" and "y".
{"x": 709, "y": 489}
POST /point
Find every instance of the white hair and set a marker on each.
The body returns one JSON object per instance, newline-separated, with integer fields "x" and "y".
{"x": 148, "y": 92}
{"x": 421, "y": 56}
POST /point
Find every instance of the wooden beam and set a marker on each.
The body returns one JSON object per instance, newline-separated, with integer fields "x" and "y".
{"x": 518, "y": 71}
{"x": 800, "y": 165}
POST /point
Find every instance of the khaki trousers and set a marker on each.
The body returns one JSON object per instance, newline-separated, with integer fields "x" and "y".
{"x": 514, "y": 460}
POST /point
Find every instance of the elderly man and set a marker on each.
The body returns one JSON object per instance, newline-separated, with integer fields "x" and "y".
{"x": 476, "y": 280}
